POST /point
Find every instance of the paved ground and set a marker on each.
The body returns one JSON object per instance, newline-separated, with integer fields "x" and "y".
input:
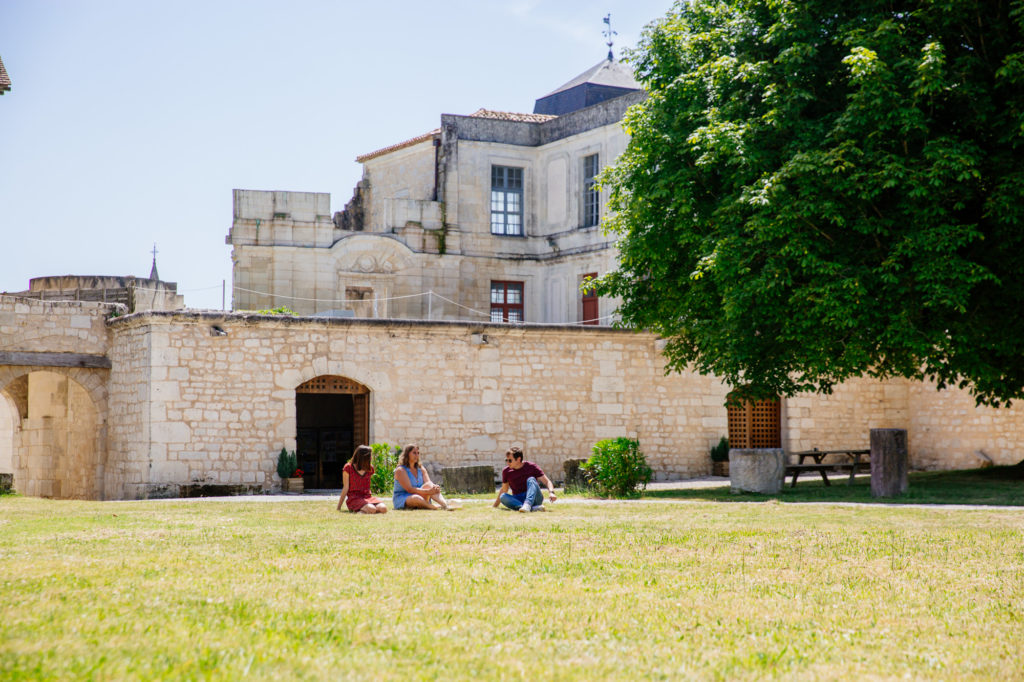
{"x": 703, "y": 482}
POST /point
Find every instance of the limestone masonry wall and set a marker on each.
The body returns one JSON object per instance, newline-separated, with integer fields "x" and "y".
{"x": 205, "y": 398}
{"x": 54, "y": 326}
{"x": 221, "y": 406}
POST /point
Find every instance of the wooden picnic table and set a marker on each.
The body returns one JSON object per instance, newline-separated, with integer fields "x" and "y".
{"x": 858, "y": 461}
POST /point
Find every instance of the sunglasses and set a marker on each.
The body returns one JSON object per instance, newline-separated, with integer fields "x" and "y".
{"x": 508, "y": 460}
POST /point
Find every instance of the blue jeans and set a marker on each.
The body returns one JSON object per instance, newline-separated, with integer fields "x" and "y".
{"x": 533, "y": 494}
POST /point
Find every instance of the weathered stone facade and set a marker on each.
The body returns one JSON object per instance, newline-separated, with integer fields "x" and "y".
{"x": 207, "y": 399}
{"x": 417, "y": 241}
{"x": 135, "y": 293}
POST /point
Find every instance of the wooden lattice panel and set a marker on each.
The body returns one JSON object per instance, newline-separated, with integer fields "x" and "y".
{"x": 739, "y": 431}
{"x": 332, "y": 384}
{"x": 755, "y": 424}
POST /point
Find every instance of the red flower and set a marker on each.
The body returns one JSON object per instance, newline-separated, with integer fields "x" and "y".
{"x": 297, "y": 474}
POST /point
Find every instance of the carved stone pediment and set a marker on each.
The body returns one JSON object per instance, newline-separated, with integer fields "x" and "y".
{"x": 371, "y": 254}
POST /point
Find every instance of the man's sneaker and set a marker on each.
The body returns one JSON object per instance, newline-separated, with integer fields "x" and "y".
{"x": 540, "y": 507}
{"x": 526, "y": 507}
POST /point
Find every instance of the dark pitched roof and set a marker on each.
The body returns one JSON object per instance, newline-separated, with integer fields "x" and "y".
{"x": 605, "y": 72}
{"x": 605, "y": 80}
{"x": 5, "y": 80}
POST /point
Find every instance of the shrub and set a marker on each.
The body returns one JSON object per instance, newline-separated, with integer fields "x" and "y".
{"x": 286, "y": 463}
{"x": 720, "y": 452}
{"x": 280, "y": 310}
{"x": 617, "y": 467}
{"x": 385, "y": 461}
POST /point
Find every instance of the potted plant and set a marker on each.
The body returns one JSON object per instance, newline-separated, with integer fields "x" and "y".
{"x": 287, "y": 469}
{"x": 720, "y": 458}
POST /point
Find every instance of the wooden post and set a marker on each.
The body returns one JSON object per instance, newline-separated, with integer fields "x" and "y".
{"x": 888, "y": 462}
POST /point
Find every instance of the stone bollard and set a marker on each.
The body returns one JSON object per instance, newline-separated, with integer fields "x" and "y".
{"x": 574, "y": 477}
{"x": 468, "y": 479}
{"x": 889, "y": 462}
{"x": 757, "y": 470}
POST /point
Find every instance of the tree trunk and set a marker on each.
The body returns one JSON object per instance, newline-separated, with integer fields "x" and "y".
{"x": 888, "y": 462}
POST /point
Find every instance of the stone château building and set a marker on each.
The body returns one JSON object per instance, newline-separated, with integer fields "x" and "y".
{"x": 491, "y": 216}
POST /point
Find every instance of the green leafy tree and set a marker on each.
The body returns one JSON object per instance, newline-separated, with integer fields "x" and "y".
{"x": 824, "y": 189}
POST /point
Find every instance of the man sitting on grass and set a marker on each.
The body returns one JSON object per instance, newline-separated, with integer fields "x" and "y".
{"x": 522, "y": 477}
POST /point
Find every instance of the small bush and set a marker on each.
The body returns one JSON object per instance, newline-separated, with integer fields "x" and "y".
{"x": 286, "y": 463}
{"x": 385, "y": 461}
{"x": 617, "y": 467}
{"x": 280, "y": 310}
{"x": 720, "y": 452}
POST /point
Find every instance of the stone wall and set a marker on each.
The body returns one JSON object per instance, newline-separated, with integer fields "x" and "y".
{"x": 947, "y": 430}
{"x": 221, "y": 406}
{"x": 53, "y": 428}
{"x": 54, "y": 326}
{"x": 208, "y": 399}
{"x": 844, "y": 418}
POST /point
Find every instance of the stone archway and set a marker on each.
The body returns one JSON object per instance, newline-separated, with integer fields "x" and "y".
{"x": 332, "y": 417}
{"x": 56, "y": 447}
{"x": 10, "y": 428}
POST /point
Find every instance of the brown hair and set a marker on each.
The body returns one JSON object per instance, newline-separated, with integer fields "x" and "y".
{"x": 361, "y": 458}
{"x": 515, "y": 451}
{"x": 403, "y": 461}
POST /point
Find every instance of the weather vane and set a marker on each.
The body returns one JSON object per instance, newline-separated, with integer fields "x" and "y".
{"x": 608, "y": 33}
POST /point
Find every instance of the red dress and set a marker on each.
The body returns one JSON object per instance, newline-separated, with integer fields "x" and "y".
{"x": 359, "y": 489}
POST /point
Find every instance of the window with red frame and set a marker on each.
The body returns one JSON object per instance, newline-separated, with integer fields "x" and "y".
{"x": 507, "y": 302}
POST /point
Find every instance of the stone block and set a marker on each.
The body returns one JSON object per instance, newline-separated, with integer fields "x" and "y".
{"x": 757, "y": 470}
{"x": 481, "y": 444}
{"x": 469, "y": 479}
{"x": 574, "y": 476}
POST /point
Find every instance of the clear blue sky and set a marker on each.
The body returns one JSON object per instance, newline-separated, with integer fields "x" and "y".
{"x": 129, "y": 122}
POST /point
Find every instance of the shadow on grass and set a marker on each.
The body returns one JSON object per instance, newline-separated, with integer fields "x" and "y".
{"x": 998, "y": 486}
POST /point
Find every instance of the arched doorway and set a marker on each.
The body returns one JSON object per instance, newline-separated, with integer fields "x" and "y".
{"x": 332, "y": 417}
{"x": 754, "y": 424}
{"x": 55, "y": 452}
{"x": 10, "y": 426}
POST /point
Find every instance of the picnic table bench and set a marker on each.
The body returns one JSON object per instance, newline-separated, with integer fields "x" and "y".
{"x": 858, "y": 460}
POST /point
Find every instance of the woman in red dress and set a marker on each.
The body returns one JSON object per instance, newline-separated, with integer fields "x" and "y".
{"x": 355, "y": 478}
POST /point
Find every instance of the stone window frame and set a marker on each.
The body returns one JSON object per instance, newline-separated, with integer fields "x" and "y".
{"x": 506, "y": 200}
{"x": 591, "y": 196}
{"x": 502, "y": 306}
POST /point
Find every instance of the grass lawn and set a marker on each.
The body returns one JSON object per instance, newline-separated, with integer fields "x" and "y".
{"x": 1003, "y": 486}
{"x": 222, "y": 589}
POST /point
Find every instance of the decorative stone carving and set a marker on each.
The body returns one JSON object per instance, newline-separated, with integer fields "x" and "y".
{"x": 372, "y": 254}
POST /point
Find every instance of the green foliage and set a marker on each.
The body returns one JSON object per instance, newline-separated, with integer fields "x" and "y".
{"x": 280, "y": 310}
{"x": 287, "y": 463}
{"x": 385, "y": 461}
{"x": 720, "y": 452}
{"x": 824, "y": 189}
{"x": 617, "y": 467}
